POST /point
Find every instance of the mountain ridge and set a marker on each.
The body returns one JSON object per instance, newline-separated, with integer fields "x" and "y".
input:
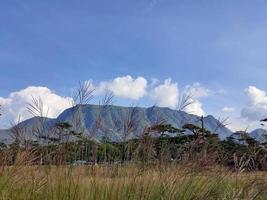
{"x": 259, "y": 134}
{"x": 83, "y": 118}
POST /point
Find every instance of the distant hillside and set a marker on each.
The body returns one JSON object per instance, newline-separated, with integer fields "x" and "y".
{"x": 113, "y": 119}
{"x": 259, "y": 134}
{"x": 5, "y": 136}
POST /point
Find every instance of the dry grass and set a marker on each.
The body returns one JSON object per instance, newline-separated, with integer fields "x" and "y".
{"x": 127, "y": 182}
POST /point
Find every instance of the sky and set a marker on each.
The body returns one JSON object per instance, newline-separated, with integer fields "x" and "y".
{"x": 145, "y": 52}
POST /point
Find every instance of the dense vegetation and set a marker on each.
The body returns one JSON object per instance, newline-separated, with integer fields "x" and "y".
{"x": 161, "y": 143}
{"x": 164, "y": 162}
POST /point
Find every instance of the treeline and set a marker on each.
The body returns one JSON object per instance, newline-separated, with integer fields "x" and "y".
{"x": 160, "y": 144}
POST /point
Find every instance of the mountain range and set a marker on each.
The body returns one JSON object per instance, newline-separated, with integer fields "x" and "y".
{"x": 114, "y": 120}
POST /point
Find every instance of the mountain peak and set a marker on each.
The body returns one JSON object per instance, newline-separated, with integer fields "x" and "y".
{"x": 114, "y": 117}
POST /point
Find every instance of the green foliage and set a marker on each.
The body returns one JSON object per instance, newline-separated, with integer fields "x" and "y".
{"x": 108, "y": 152}
{"x": 162, "y": 128}
{"x": 162, "y": 143}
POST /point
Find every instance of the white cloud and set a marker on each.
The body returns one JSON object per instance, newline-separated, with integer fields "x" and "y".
{"x": 14, "y": 107}
{"x": 238, "y": 124}
{"x": 166, "y": 95}
{"x": 195, "y": 108}
{"x": 256, "y": 96}
{"x": 228, "y": 109}
{"x": 257, "y": 104}
{"x": 124, "y": 87}
{"x": 196, "y": 92}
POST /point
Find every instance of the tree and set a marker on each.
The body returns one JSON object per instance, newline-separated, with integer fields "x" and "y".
{"x": 165, "y": 129}
{"x": 163, "y": 143}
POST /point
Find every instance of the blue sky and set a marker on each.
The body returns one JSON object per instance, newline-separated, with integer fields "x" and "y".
{"x": 220, "y": 44}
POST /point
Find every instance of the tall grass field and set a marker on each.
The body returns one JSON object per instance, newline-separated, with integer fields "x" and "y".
{"x": 130, "y": 181}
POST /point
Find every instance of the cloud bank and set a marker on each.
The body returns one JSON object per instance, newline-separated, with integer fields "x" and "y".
{"x": 124, "y": 87}
{"x": 168, "y": 95}
{"x": 256, "y": 108}
{"x": 14, "y": 107}
{"x": 164, "y": 94}
{"x": 196, "y": 92}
